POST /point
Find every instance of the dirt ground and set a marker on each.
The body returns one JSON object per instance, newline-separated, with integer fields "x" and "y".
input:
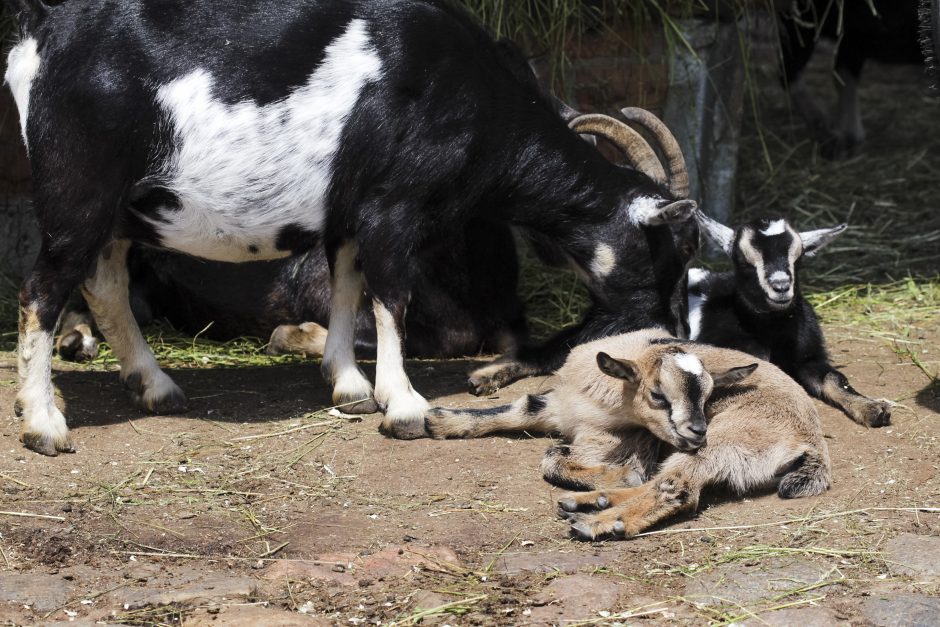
{"x": 250, "y": 510}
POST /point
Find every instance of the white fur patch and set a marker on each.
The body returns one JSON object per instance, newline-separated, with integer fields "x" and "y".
{"x": 644, "y": 210}
{"x": 22, "y": 66}
{"x": 690, "y": 363}
{"x": 36, "y": 393}
{"x": 777, "y": 227}
{"x": 243, "y": 172}
{"x": 696, "y": 305}
{"x": 696, "y": 276}
{"x": 393, "y": 390}
{"x": 779, "y": 275}
{"x": 339, "y": 357}
{"x": 604, "y": 260}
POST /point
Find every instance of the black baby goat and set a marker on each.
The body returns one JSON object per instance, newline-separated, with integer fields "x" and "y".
{"x": 758, "y": 308}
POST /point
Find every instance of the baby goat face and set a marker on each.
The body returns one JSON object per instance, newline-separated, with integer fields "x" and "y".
{"x": 766, "y": 256}
{"x": 669, "y": 393}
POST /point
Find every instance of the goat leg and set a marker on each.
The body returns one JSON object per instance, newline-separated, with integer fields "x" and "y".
{"x": 824, "y": 382}
{"x": 632, "y": 510}
{"x": 563, "y": 467}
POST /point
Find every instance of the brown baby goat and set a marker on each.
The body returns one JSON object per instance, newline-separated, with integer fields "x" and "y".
{"x": 762, "y": 430}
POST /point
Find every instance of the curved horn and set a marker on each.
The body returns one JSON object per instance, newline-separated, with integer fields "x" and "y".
{"x": 638, "y": 152}
{"x": 675, "y": 163}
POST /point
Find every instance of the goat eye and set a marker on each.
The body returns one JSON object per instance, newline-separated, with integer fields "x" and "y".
{"x": 659, "y": 399}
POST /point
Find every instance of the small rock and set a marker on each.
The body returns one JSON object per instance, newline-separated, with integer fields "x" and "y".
{"x": 39, "y": 591}
{"x": 902, "y": 610}
{"x": 339, "y": 568}
{"x": 738, "y": 584}
{"x": 551, "y": 562}
{"x": 915, "y": 556}
{"x": 804, "y": 617}
{"x": 574, "y": 598}
{"x": 211, "y": 588}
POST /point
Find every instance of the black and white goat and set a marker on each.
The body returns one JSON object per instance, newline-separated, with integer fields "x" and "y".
{"x": 758, "y": 308}
{"x": 883, "y": 30}
{"x": 372, "y": 127}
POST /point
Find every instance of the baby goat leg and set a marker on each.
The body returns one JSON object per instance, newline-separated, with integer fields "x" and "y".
{"x": 635, "y": 509}
{"x": 562, "y": 468}
{"x": 824, "y": 382}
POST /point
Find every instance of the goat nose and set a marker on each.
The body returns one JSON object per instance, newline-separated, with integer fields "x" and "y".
{"x": 698, "y": 428}
{"x": 780, "y": 284}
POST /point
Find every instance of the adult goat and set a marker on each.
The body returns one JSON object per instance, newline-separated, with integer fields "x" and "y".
{"x": 372, "y": 127}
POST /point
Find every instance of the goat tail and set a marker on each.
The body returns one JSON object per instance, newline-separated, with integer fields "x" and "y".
{"x": 809, "y": 475}
{"x": 29, "y": 13}
{"x": 529, "y": 413}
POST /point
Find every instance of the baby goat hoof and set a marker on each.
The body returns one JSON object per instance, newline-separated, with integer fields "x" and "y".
{"x": 582, "y": 531}
{"x": 482, "y": 386}
{"x": 568, "y": 505}
{"x": 603, "y": 502}
{"x": 876, "y": 414}
{"x": 77, "y": 347}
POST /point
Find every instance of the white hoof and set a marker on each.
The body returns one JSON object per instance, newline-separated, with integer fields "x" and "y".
{"x": 44, "y": 429}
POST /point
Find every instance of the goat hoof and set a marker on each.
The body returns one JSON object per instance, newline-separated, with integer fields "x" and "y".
{"x": 46, "y": 444}
{"x": 360, "y": 407}
{"x": 581, "y": 530}
{"x": 308, "y": 339}
{"x": 173, "y": 402}
{"x": 619, "y": 528}
{"x": 482, "y": 386}
{"x": 877, "y": 414}
{"x": 603, "y": 502}
{"x": 77, "y": 347}
{"x": 411, "y": 429}
{"x": 568, "y": 505}
{"x": 160, "y": 396}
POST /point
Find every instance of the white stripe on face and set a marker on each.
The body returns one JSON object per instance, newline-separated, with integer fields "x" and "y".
{"x": 777, "y": 227}
{"x": 690, "y": 363}
{"x": 756, "y": 258}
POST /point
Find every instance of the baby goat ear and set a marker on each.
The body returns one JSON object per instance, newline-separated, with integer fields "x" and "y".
{"x": 814, "y": 241}
{"x": 618, "y": 368}
{"x": 732, "y": 376}
{"x": 719, "y": 234}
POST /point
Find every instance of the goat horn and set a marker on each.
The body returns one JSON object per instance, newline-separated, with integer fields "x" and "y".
{"x": 638, "y": 152}
{"x": 675, "y": 163}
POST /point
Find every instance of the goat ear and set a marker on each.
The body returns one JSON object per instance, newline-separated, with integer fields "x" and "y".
{"x": 814, "y": 241}
{"x": 719, "y": 234}
{"x": 618, "y": 368}
{"x": 732, "y": 376}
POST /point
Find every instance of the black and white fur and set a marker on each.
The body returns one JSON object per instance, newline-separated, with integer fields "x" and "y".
{"x": 372, "y": 127}
{"x": 758, "y": 308}
{"x": 883, "y": 30}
